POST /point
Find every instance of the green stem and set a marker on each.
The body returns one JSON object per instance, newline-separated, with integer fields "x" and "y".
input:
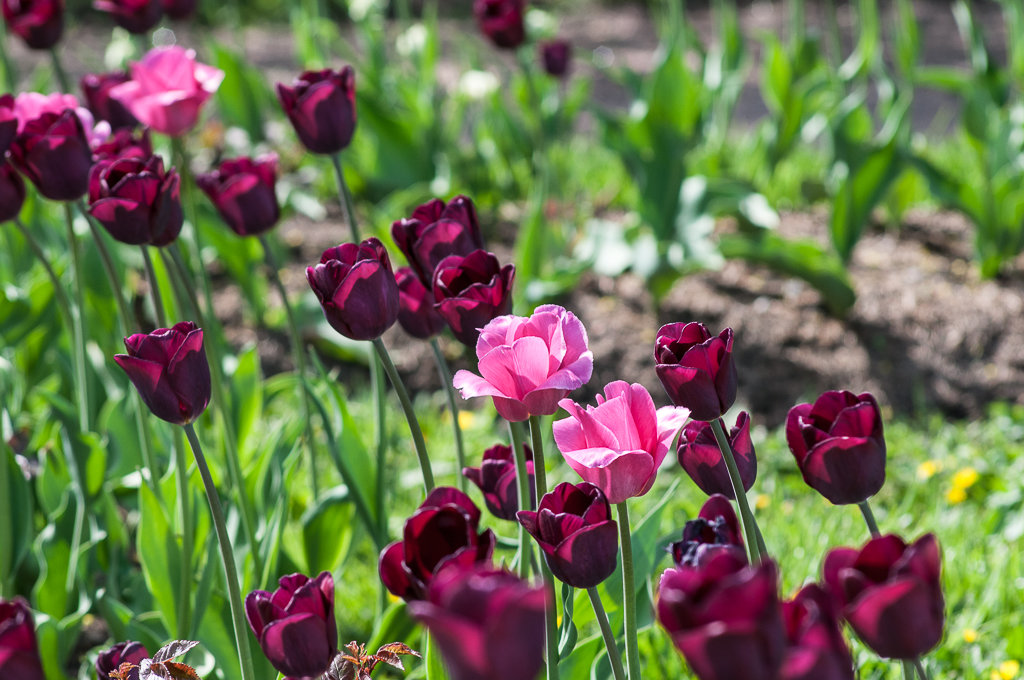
{"x": 58, "y": 288}
{"x": 10, "y": 72}
{"x": 58, "y": 70}
{"x": 908, "y": 669}
{"x": 550, "y": 615}
{"x": 446, "y": 379}
{"x": 78, "y": 328}
{"x": 226, "y": 555}
{"x": 869, "y": 518}
{"x": 755, "y": 545}
{"x": 920, "y": 669}
{"x": 410, "y": 414}
{"x": 606, "y": 632}
{"x": 185, "y": 595}
{"x": 628, "y": 593}
{"x": 523, "y": 495}
{"x": 380, "y": 437}
{"x": 154, "y": 289}
{"x": 345, "y": 197}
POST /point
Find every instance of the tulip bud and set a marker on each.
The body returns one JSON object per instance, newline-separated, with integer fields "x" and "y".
{"x": 322, "y": 108}
{"x": 136, "y": 200}
{"x": 243, "y": 192}
{"x": 696, "y": 368}
{"x": 96, "y": 87}
{"x": 496, "y": 478}
{"x": 19, "y": 651}
{"x": 416, "y": 313}
{"x": 715, "y": 529}
{"x": 356, "y": 288}
{"x": 555, "y": 55}
{"x": 123, "y": 652}
{"x": 124, "y": 143}
{"x": 701, "y": 458}
{"x": 12, "y": 192}
{"x": 53, "y": 153}
{"x": 470, "y": 291}
{"x": 40, "y": 23}
{"x": 134, "y": 16}
{"x": 436, "y": 231}
{"x": 502, "y": 21}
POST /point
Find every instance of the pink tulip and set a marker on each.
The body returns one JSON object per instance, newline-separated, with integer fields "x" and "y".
{"x": 529, "y": 363}
{"x": 168, "y": 88}
{"x": 619, "y": 444}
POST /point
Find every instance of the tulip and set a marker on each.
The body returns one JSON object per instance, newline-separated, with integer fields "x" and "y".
{"x": 12, "y": 192}
{"x": 701, "y": 458}
{"x": 574, "y": 527}
{"x": 724, "y": 616}
{"x": 97, "y": 87}
{"x": 322, "y": 108}
{"x": 179, "y": 9}
{"x": 444, "y": 530}
{"x": 529, "y": 363}
{"x": 496, "y": 478}
{"x": 40, "y": 23}
{"x": 555, "y": 55}
{"x": 890, "y": 593}
{"x": 168, "y": 89}
{"x": 8, "y": 123}
{"x": 696, "y": 368}
{"x": 470, "y": 291}
{"x": 295, "y": 624}
{"x": 488, "y": 623}
{"x": 124, "y": 143}
{"x": 134, "y": 16}
{"x": 19, "y": 651}
{"x": 416, "y": 313}
{"x": 436, "y": 231}
{"x": 243, "y": 192}
{"x": 169, "y": 369}
{"x": 502, "y": 21}
{"x": 123, "y": 652}
{"x": 619, "y": 444}
{"x": 29, "y": 105}
{"x": 839, "y": 446}
{"x": 53, "y": 152}
{"x": 356, "y": 288}
{"x": 816, "y": 649}
{"x": 136, "y": 200}
{"x": 714, "y": 530}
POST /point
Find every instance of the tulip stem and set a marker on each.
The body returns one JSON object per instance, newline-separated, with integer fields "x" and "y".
{"x": 230, "y": 572}
{"x": 380, "y": 439}
{"x": 606, "y": 632}
{"x": 869, "y": 518}
{"x": 551, "y": 616}
{"x": 78, "y": 329}
{"x": 523, "y": 495}
{"x": 756, "y": 549}
{"x": 920, "y": 669}
{"x": 184, "y": 504}
{"x": 58, "y": 288}
{"x": 345, "y": 196}
{"x": 58, "y": 70}
{"x": 410, "y": 414}
{"x": 154, "y": 289}
{"x": 628, "y": 592}
{"x": 449, "y": 390}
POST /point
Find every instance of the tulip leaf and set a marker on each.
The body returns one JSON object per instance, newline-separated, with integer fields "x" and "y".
{"x": 16, "y": 510}
{"x": 577, "y": 666}
{"x": 243, "y": 95}
{"x": 327, "y": 530}
{"x": 434, "y": 662}
{"x": 568, "y": 633}
{"x": 160, "y": 556}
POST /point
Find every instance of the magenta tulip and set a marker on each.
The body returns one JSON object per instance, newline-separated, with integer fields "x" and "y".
{"x": 321, "y": 106}
{"x": 502, "y": 21}
{"x": 696, "y": 368}
{"x": 243, "y": 191}
{"x": 815, "y": 648}
{"x": 416, "y": 313}
{"x": 528, "y": 364}
{"x": 470, "y": 291}
{"x": 555, "y": 56}
{"x": 891, "y": 593}
{"x": 40, "y": 23}
{"x": 12, "y": 192}
{"x": 96, "y": 87}
{"x": 715, "y": 529}
{"x": 134, "y": 16}
{"x": 496, "y": 478}
{"x": 111, "y": 659}
{"x": 19, "y": 651}
{"x": 701, "y": 458}
{"x": 839, "y": 445}
{"x": 436, "y": 231}
{"x": 619, "y": 444}
{"x": 356, "y": 288}
{"x": 136, "y": 200}
{"x": 52, "y": 151}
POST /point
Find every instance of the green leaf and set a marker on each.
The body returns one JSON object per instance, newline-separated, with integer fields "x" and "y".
{"x": 327, "y": 530}
{"x": 243, "y": 95}
{"x": 859, "y": 193}
{"x": 434, "y": 662}
{"x": 567, "y": 634}
{"x": 160, "y": 556}
{"x": 247, "y": 385}
{"x": 16, "y": 511}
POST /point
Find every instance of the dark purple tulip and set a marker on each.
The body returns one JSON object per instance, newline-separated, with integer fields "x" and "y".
{"x": 96, "y": 88}
{"x": 356, "y": 288}
{"x": 123, "y": 652}
{"x": 436, "y": 231}
{"x": 816, "y": 649}
{"x": 488, "y": 623}
{"x": 179, "y": 9}
{"x": 416, "y": 313}
{"x": 724, "y": 616}
{"x": 169, "y": 369}
{"x": 472, "y": 290}
{"x": 12, "y": 192}
{"x": 134, "y": 16}
{"x": 444, "y": 530}
{"x": 496, "y": 478}
{"x": 53, "y": 153}
{"x": 502, "y": 21}
{"x": 322, "y": 108}
{"x": 555, "y": 55}
{"x": 19, "y": 651}
{"x": 890, "y": 593}
{"x": 295, "y": 624}
{"x": 839, "y": 445}
{"x": 574, "y": 527}
{"x": 701, "y": 458}
{"x": 136, "y": 200}
{"x": 716, "y": 529}
{"x": 40, "y": 23}
{"x": 696, "y": 368}
{"x": 124, "y": 143}
{"x": 8, "y": 123}
{"x": 243, "y": 192}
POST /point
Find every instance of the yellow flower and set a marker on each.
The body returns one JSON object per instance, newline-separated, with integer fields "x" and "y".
{"x": 467, "y": 419}
{"x": 970, "y": 635}
{"x": 927, "y": 469}
{"x": 965, "y": 478}
{"x": 956, "y": 495}
{"x": 1009, "y": 669}
{"x": 762, "y": 501}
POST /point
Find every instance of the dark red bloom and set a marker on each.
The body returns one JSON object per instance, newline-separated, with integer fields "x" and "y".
{"x": 179, "y": 9}
{"x": 416, "y": 313}
{"x": 96, "y": 88}
{"x": 839, "y": 445}
{"x": 891, "y": 593}
{"x": 444, "y": 530}
{"x": 8, "y": 123}
{"x": 124, "y": 143}
{"x": 816, "y": 649}
{"x": 243, "y": 192}
{"x": 574, "y": 527}
{"x": 502, "y": 21}
{"x": 714, "y": 530}
{"x": 40, "y": 23}
{"x": 701, "y": 458}
{"x": 134, "y": 16}
{"x": 169, "y": 369}
{"x": 488, "y": 623}
{"x": 19, "y": 651}
{"x": 496, "y": 478}
{"x": 136, "y": 200}
{"x": 356, "y": 288}
{"x": 12, "y": 192}
{"x": 436, "y": 231}
{"x": 724, "y": 616}
{"x": 472, "y": 290}
{"x": 123, "y": 652}
{"x": 322, "y": 108}
{"x": 696, "y": 368}
{"x": 53, "y": 153}
{"x": 555, "y": 55}
{"x": 295, "y": 624}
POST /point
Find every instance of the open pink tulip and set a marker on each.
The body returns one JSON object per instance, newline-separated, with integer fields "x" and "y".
{"x": 619, "y": 444}
{"x": 528, "y": 363}
{"x": 168, "y": 88}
